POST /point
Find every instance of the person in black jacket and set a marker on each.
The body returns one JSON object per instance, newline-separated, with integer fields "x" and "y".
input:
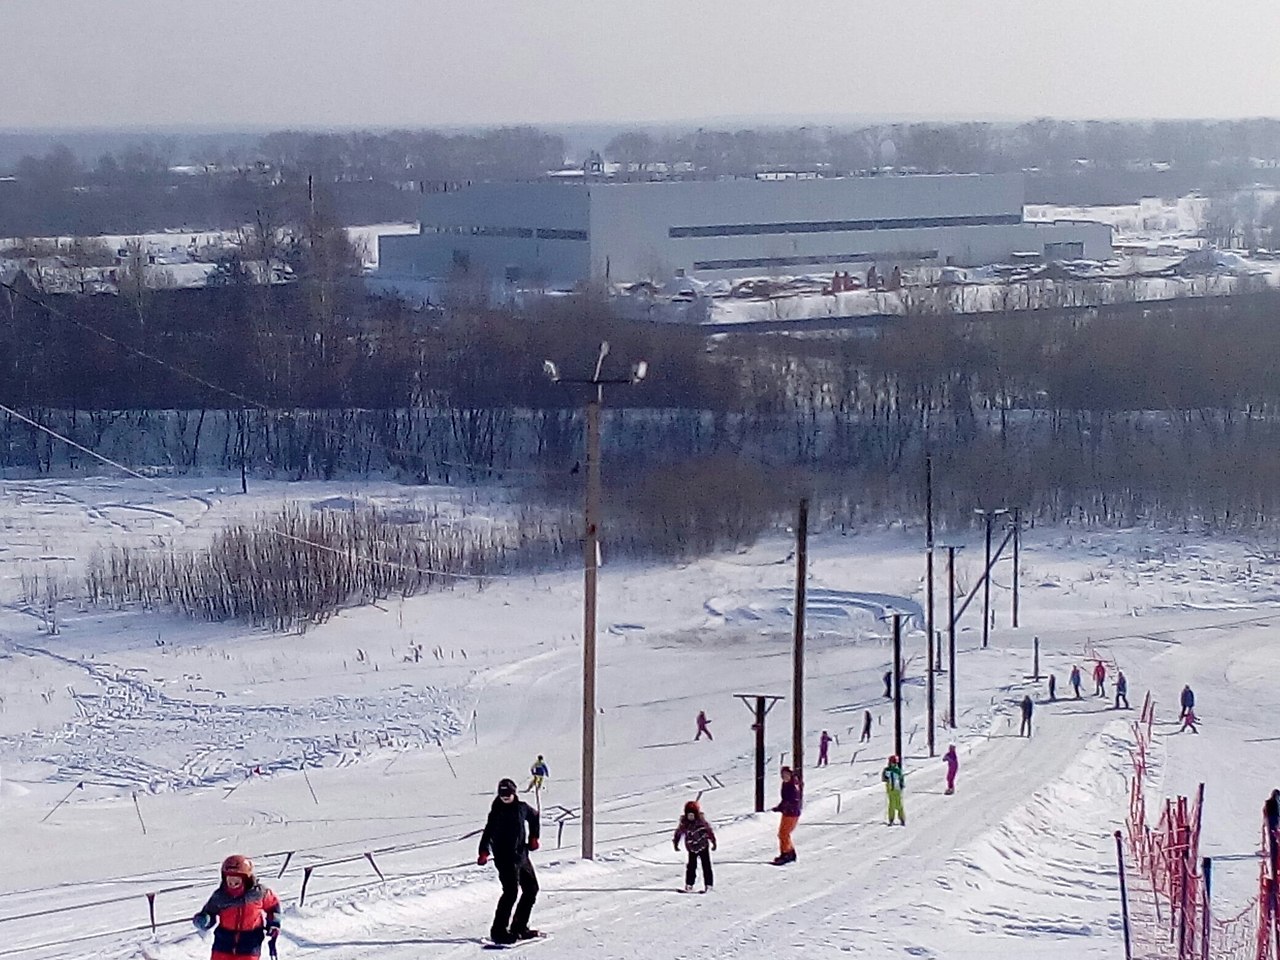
{"x": 511, "y": 831}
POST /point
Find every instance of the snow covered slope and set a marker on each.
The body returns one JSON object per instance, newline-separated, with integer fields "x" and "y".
{"x": 313, "y": 750}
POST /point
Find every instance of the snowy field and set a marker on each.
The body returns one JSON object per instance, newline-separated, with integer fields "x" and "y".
{"x": 384, "y": 731}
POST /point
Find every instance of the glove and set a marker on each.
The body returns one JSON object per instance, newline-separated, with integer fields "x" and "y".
{"x": 273, "y": 933}
{"x": 534, "y": 844}
{"x": 482, "y": 859}
{"x": 203, "y": 921}
{"x": 676, "y": 846}
{"x": 713, "y": 846}
{"x": 778, "y": 809}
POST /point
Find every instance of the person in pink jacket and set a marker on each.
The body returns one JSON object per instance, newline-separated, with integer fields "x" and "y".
{"x": 953, "y": 765}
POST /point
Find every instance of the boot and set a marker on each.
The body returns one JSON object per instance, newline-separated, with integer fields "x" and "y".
{"x": 501, "y": 936}
{"x": 525, "y": 934}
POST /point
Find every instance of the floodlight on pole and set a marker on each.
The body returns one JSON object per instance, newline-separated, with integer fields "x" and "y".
{"x": 590, "y": 564}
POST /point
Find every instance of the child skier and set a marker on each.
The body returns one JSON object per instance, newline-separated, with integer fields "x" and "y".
{"x": 1188, "y": 700}
{"x": 538, "y": 772}
{"x": 244, "y": 912}
{"x": 703, "y": 726}
{"x": 894, "y": 782}
{"x": 790, "y": 809}
{"x": 953, "y": 766}
{"x": 1189, "y": 721}
{"x": 824, "y": 742}
{"x": 697, "y": 834}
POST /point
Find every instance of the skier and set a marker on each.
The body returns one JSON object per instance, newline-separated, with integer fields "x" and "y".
{"x": 1122, "y": 690}
{"x": 790, "y": 809}
{"x": 1189, "y": 721}
{"x": 894, "y": 782}
{"x": 511, "y": 831}
{"x": 538, "y": 773}
{"x": 953, "y": 766}
{"x": 1075, "y": 680}
{"x": 1188, "y": 700}
{"x": 697, "y": 834}
{"x": 1100, "y": 679}
{"x": 823, "y": 743}
{"x": 703, "y": 726}
{"x": 1053, "y": 688}
{"x": 1027, "y": 708}
{"x": 244, "y": 911}
{"x": 888, "y": 684}
{"x": 866, "y": 727}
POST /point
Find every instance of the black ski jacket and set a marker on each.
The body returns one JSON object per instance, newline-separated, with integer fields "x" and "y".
{"x": 508, "y": 830}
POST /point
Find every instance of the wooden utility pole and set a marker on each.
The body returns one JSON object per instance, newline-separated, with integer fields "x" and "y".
{"x": 1017, "y": 542}
{"x": 590, "y": 566}
{"x": 951, "y": 634}
{"x": 897, "y": 684}
{"x": 797, "y": 675}
{"x": 928, "y": 514}
{"x": 763, "y": 704}
{"x": 590, "y": 561}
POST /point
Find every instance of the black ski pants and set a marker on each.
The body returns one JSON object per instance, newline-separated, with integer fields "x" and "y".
{"x": 1025, "y": 730}
{"x": 691, "y": 869}
{"x": 517, "y": 876}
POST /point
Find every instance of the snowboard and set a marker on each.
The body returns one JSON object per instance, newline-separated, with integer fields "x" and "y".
{"x": 488, "y": 944}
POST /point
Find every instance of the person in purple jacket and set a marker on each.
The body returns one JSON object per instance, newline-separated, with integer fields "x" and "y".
{"x": 790, "y": 810}
{"x": 953, "y": 766}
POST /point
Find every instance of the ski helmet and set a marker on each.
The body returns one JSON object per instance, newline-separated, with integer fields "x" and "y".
{"x": 692, "y": 807}
{"x": 239, "y": 866}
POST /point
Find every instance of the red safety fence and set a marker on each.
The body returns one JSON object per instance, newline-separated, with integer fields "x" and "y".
{"x": 1169, "y": 888}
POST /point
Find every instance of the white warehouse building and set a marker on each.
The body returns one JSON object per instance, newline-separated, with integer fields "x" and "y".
{"x": 560, "y": 234}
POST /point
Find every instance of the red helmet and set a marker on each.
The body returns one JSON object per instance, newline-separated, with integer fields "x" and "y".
{"x": 692, "y": 807}
{"x": 238, "y": 865}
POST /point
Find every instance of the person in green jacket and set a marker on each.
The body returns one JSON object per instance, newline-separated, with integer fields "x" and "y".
{"x": 894, "y": 781}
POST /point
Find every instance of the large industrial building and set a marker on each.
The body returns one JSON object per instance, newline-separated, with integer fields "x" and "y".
{"x": 559, "y": 234}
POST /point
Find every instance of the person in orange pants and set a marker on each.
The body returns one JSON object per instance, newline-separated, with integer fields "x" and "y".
{"x": 790, "y": 810}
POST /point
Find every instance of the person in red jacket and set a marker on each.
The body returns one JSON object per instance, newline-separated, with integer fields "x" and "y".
{"x": 244, "y": 912}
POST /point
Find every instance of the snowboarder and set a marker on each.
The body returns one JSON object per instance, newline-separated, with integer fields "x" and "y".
{"x": 1027, "y": 707}
{"x": 888, "y": 684}
{"x": 1100, "y": 679}
{"x": 537, "y": 774}
{"x": 789, "y": 807}
{"x": 953, "y": 766}
{"x": 1122, "y": 690}
{"x": 697, "y": 834}
{"x": 894, "y": 782}
{"x": 823, "y": 743}
{"x": 703, "y": 726}
{"x": 1189, "y": 721}
{"x": 511, "y": 831}
{"x": 1188, "y": 700}
{"x": 866, "y": 727}
{"x": 244, "y": 911}
{"x": 1053, "y": 688}
{"x": 1075, "y": 680}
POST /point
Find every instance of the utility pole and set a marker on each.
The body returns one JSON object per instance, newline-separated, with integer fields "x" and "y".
{"x": 1017, "y": 541}
{"x": 763, "y": 704}
{"x": 951, "y": 631}
{"x": 928, "y": 514}
{"x": 897, "y": 684}
{"x": 989, "y": 517}
{"x": 797, "y": 666}
{"x": 590, "y": 564}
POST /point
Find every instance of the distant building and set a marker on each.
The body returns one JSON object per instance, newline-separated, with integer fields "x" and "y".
{"x": 562, "y": 233}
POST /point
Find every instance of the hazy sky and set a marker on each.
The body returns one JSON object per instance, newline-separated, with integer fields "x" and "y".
{"x": 114, "y": 63}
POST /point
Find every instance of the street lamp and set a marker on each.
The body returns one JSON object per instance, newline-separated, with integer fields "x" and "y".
{"x": 590, "y": 563}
